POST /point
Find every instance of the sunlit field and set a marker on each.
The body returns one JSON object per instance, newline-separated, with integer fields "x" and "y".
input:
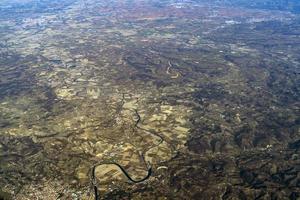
{"x": 149, "y": 99}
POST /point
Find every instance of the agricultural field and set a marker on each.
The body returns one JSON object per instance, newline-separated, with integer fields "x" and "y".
{"x": 149, "y": 99}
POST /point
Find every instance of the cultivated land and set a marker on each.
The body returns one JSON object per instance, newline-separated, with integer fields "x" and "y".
{"x": 148, "y": 100}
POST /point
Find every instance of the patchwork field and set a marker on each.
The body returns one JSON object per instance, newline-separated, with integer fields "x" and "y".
{"x": 147, "y": 99}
